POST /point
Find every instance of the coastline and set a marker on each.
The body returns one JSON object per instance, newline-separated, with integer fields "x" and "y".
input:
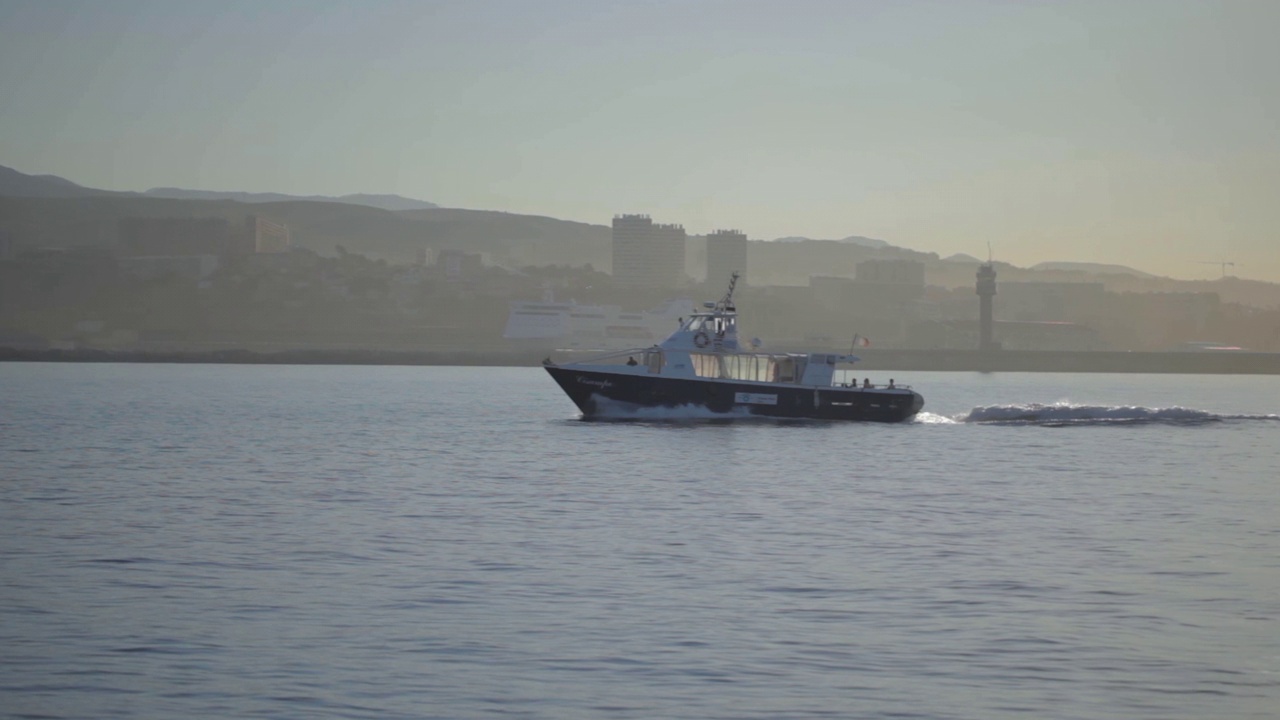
{"x": 282, "y": 357}
{"x": 1226, "y": 363}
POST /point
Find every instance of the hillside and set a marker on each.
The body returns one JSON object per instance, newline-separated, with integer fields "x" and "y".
{"x": 18, "y": 184}
{"x": 508, "y": 239}
{"x": 875, "y": 243}
{"x": 384, "y": 202}
{"x": 526, "y": 239}
{"x": 1090, "y": 268}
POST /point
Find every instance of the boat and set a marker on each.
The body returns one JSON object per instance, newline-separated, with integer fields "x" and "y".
{"x": 549, "y": 324}
{"x": 703, "y": 366}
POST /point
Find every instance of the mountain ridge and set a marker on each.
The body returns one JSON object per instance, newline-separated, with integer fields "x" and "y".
{"x": 19, "y": 184}
{"x": 1090, "y": 268}
{"x": 16, "y": 183}
{"x": 394, "y": 203}
{"x": 874, "y": 243}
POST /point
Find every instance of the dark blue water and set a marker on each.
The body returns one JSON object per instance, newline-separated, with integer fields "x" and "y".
{"x": 327, "y": 542}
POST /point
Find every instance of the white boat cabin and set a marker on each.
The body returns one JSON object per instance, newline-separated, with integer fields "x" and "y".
{"x": 706, "y": 346}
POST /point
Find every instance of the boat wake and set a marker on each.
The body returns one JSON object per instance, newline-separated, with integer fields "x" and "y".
{"x": 613, "y": 410}
{"x": 1061, "y": 414}
{"x": 1068, "y": 414}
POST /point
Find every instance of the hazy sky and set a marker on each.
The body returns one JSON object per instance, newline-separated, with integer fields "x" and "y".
{"x": 1140, "y": 133}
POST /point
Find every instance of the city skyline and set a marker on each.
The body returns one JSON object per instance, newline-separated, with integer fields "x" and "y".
{"x": 1136, "y": 134}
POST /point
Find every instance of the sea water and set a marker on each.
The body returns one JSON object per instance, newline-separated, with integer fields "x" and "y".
{"x": 203, "y": 541}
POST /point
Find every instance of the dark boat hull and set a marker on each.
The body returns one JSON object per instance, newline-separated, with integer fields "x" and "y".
{"x": 596, "y": 393}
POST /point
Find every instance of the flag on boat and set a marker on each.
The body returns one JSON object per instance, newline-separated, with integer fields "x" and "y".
{"x": 859, "y": 341}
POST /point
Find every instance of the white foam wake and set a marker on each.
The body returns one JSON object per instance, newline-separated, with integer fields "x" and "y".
{"x": 1071, "y": 414}
{"x": 607, "y": 409}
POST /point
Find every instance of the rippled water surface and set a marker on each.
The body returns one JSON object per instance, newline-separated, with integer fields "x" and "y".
{"x": 325, "y": 542}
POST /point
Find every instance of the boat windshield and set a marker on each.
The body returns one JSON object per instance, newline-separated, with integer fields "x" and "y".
{"x": 710, "y": 324}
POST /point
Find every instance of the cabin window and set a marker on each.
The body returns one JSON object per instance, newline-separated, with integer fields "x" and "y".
{"x": 705, "y": 365}
{"x": 653, "y": 359}
{"x": 756, "y": 368}
{"x": 786, "y": 370}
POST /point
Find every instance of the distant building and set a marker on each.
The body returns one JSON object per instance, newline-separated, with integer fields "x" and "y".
{"x": 646, "y": 254}
{"x": 726, "y": 254}
{"x": 669, "y": 241}
{"x": 1161, "y": 320}
{"x": 1052, "y": 301}
{"x": 267, "y": 236}
{"x": 891, "y": 288}
{"x": 891, "y": 284}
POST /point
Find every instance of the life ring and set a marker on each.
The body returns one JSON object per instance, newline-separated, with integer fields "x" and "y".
{"x": 702, "y": 339}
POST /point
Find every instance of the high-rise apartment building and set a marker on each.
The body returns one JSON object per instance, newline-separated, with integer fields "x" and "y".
{"x": 646, "y": 254}
{"x": 726, "y": 255}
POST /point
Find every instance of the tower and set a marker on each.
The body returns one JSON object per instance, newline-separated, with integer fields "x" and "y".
{"x": 647, "y": 254}
{"x": 986, "y": 291}
{"x": 630, "y": 241}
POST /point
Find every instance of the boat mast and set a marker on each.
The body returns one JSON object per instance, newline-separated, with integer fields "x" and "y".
{"x": 726, "y": 302}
